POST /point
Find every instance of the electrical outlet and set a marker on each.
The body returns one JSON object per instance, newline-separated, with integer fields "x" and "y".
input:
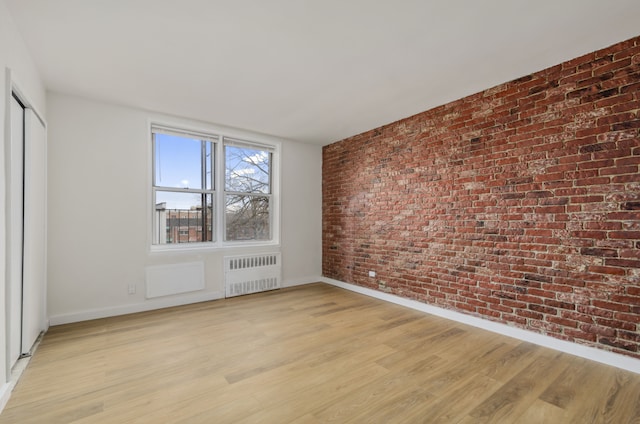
{"x": 132, "y": 289}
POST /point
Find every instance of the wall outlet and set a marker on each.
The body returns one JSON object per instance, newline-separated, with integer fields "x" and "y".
{"x": 372, "y": 273}
{"x": 132, "y": 289}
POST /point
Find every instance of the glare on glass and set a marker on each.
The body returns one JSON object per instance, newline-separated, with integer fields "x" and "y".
{"x": 247, "y": 170}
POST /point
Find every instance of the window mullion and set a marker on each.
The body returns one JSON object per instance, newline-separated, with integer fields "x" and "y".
{"x": 203, "y": 184}
{"x": 219, "y": 180}
{"x": 247, "y": 193}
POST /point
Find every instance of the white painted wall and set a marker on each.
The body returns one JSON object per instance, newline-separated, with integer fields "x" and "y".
{"x": 98, "y": 212}
{"x": 14, "y": 56}
{"x": 301, "y": 236}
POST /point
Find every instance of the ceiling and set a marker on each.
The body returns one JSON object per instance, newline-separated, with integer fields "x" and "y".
{"x": 315, "y": 71}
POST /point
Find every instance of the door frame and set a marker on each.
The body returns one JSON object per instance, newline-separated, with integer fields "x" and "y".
{"x": 12, "y": 87}
{"x": 15, "y": 229}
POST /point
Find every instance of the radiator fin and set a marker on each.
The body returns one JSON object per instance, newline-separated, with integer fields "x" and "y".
{"x": 252, "y": 273}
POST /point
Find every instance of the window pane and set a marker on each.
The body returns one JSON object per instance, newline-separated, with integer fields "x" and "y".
{"x": 178, "y": 161}
{"x": 182, "y": 218}
{"x": 247, "y": 170}
{"x": 247, "y": 218}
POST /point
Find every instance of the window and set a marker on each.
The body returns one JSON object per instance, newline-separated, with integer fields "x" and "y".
{"x": 183, "y": 186}
{"x": 247, "y": 192}
{"x": 195, "y": 172}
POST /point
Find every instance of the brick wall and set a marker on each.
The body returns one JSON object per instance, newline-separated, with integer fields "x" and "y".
{"x": 519, "y": 204}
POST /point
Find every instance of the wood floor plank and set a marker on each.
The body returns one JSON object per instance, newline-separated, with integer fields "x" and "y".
{"x": 516, "y": 395}
{"x": 308, "y": 354}
{"x": 506, "y": 366}
{"x": 467, "y": 393}
{"x": 614, "y": 398}
{"x": 563, "y": 390}
{"x": 541, "y": 412}
{"x": 360, "y": 400}
{"x": 396, "y": 407}
{"x": 291, "y": 403}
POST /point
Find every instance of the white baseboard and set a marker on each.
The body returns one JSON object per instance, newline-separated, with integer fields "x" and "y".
{"x": 591, "y": 353}
{"x": 301, "y": 281}
{"x": 158, "y": 303}
{"x": 149, "y": 305}
{"x": 16, "y": 373}
{"x": 5, "y": 394}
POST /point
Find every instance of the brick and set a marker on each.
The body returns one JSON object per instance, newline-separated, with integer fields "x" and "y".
{"x": 596, "y": 164}
{"x": 609, "y": 270}
{"x": 624, "y": 235}
{"x": 598, "y": 147}
{"x": 628, "y": 161}
{"x": 581, "y": 335}
{"x": 581, "y": 317}
{"x": 624, "y": 263}
{"x": 619, "y": 344}
{"x": 592, "y": 181}
{"x": 633, "y": 336}
{"x": 544, "y": 309}
{"x": 620, "y": 307}
{"x": 620, "y": 170}
{"x": 600, "y": 330}
{"x": 529, "y": 314}
{"x": 616, "y": 119}
{"x": 561, "y": 305}
{"x": 615, "y": 324}
{"x": 630, "y": 206}
{"x": 609, "y": 253}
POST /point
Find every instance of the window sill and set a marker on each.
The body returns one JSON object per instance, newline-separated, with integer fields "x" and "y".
{"x": 210, "y": 247}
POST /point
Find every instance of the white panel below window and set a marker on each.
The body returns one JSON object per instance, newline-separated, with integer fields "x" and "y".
{"x": 165, "y": 280}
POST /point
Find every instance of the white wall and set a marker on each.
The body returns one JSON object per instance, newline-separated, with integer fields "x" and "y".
{"x": 99, "y": 165}
{"x": 14, "y": 56}
{"x": 301, "y": 213}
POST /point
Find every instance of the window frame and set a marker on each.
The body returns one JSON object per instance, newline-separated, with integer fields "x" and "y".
{"x": 219, "y": 136}
{"x": 230, "y": 142}
{"x": 203, "y": 191}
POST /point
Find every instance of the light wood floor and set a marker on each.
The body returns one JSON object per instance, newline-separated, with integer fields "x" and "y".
{"x": 310, "y": 354}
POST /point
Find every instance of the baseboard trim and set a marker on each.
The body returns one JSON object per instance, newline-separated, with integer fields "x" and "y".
{"x": 301, "y": 281}
{"x": 149, "y": 305}
{"x": 16, "y": 373}
{"x": 157, "y": 303}
{"x": 5, "y": 394}
{"x": 591, "y": 353}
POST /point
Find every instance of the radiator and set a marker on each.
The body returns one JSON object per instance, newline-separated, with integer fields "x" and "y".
{"x": 252, "y": 273}
{"x": 165, "y": 280}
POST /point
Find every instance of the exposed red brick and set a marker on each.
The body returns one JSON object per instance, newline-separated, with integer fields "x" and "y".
{"x": 623, "y": 263}
{"x": 595, "y": 329}
{"x": 620, "y": 324}
{"x": 611, "y": 306}
{"x": 580, "y": 335}
{"x": 520, "y": 204}
{"x": 629, "y": 335}
{"x": 621, "y": 344}
{"x": 609, "y": 253}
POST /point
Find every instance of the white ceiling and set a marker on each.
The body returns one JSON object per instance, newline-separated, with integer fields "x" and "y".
{"x": 309, "y": 70}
